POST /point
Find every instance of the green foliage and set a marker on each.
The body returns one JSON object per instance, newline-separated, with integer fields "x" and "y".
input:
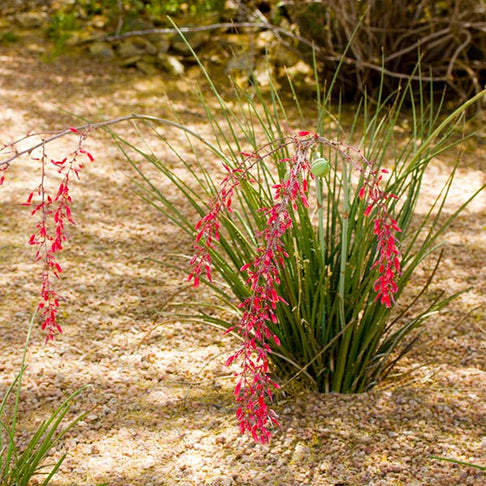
{"x": 17, "y": 468}
{"x": 64, "y": 17}
{"x": 461, "y": 463}
{"x": 176, "y": 7}
{"x": 9, "y": 36}
{"x": 60, "y": 28}
{"x": 333, "y": 334}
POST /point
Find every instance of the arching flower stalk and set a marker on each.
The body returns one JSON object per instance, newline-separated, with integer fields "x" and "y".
{"x": 50, "y": 232}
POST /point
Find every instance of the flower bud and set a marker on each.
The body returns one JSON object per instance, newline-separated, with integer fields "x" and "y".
{"x": 320, "y": 167}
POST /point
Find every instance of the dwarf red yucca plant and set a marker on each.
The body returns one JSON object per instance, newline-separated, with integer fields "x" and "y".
{"x": 259, "y": 310}
{"x": 31, "y": 464}
{"x": 311, "y": 268}
{"x": 307, "y": 241}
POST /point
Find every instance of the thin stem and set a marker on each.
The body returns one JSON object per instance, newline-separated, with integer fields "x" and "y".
{"x": 320, "y": 219}
{"x": 344, "y": 245}
{"x": 19, "y": 386}
{"x": 44, "y": 210}
{"x": 103, "y": 124}
{"x": 343, "y": 353}
{"x": 322, "y": 241}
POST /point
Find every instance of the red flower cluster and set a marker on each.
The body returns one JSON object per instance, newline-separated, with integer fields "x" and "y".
{"x": 50, "y": 230}
{"x": 254, "y": 385}
{"x": 385, "y": 227}
{"x": 208, "y": 227}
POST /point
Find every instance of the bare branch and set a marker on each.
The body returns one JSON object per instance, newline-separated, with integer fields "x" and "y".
{"x": 93, "y": 126}
{"x": 223, "y": 25}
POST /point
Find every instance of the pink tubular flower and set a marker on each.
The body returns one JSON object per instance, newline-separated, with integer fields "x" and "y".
{"x": 208, "y": 227}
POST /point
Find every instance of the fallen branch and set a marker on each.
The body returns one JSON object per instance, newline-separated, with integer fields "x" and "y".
{"x": 223, "y": 25}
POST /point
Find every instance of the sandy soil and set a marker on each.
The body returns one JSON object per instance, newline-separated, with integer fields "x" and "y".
{"x": 160, "y": 400}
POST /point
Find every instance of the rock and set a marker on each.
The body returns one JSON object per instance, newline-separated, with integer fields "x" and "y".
{"x": 301, "y": 452}
{"x": 32, "y": 20}
{"x": 130, "y": 61}
{"x": 80, "y": 38}
{"x": 263, "y": 73}
{"x": 195, "y": 39}
{"x": 135, "y": 46}
{"x": 98, "y": 21}
{"x": 146, "y": 46}
{"x": 243, "y": 63}
{"x": 101, "y": 50}
{"x": 282, "y": 56}
{"x": 170, "y": 64}
{"x": 162, "y": 44}
{"x": 300, "y": 72}
{"x": 137, "y": 23}
{"x": 279, "y": 54}
{"x": 246, "y": 69}
{"x": 147, "y": 67}
{"x": 264, "y": 39}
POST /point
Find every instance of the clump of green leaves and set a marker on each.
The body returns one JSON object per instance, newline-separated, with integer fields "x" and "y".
{"x": 18, "y": 467}
{"x": 177, "y": 7}
{"x": 9, "y": 36}
{"x": 60, "y": 28}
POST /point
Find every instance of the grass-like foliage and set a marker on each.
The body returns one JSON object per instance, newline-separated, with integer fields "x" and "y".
{"x": 310, "y": 262}
{"x": 461, "y": 463}
{"x": 19, "y": 467}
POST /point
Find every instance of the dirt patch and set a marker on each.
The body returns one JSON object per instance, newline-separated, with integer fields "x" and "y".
{"x": 160, "y": 400}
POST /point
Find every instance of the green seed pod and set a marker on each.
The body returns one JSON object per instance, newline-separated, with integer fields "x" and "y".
{"x": 320, "y": 167}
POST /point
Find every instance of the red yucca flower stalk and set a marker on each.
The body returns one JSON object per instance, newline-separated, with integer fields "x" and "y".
{"x": 50, "y": 235}
{"x": 385, "y": 226}
{"x": 254, "y": 385}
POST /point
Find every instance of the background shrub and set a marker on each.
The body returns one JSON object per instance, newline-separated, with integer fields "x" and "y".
{"x": 446, "y": 39}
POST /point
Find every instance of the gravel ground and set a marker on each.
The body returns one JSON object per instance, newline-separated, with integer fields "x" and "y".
{"x": 160, "y": 408}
